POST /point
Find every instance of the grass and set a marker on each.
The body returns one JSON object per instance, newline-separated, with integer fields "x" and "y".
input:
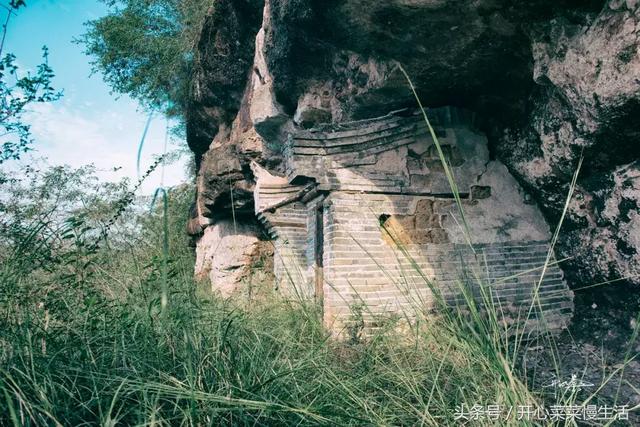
{"x": 120, "y": 334}
{"x": 207, "y": 362}
{"x": 84, "y": 340}
{"x": 119, "y": 359}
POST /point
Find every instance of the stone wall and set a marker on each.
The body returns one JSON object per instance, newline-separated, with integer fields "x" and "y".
{"x": 365, "y": 219}
{"x": 393, "y": 270}
{"x": 288, "y": 229}
{"x": 394, "y": 153}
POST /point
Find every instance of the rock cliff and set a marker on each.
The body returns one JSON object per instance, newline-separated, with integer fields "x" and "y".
{"x": 548, "y": 81}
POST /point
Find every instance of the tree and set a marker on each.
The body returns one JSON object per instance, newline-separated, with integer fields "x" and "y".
{"x": 17, "y": 92}
{"x": 144, "y": 48}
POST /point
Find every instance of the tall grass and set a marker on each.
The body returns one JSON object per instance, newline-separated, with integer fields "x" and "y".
{"x": 120, "y": 334}
{"x": 207, "y": 362}
{"x": 84, "y": 340}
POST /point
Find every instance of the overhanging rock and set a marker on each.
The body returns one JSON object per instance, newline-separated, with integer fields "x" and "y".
{"x": 366, "y": 217}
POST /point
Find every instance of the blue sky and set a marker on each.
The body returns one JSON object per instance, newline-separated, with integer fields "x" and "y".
{"x": 88, "y": 125}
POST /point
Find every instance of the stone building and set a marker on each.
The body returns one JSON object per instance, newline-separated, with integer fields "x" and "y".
{"x": 365, "y": 217}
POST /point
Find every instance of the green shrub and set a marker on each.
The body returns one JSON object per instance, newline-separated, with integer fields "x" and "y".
{"x": 144, "y": 48}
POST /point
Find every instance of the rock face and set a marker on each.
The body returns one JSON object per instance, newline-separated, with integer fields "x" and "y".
{"x": 231, "y": 253}
{"x": 548, "y": 81}
{"x": 586, "y": 103}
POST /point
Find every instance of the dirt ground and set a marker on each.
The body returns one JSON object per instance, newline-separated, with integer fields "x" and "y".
{"x": 599, "y": 352}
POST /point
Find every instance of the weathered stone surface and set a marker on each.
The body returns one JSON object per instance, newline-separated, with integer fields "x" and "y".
{"x": 586, "y": 101}
{"x": 395, "y": 275}
{"x": 222, "y": 62}
{"x": 546, "y": 80}
{"x": 227, "y": 255}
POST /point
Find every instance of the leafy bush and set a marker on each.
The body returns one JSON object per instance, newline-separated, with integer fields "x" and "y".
{"x": 144, "y": 48}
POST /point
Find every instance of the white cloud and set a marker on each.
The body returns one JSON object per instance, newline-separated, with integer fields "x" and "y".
{"x": 108, "y": 139}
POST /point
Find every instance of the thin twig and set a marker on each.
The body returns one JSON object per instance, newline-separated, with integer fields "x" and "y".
{"x": 5, "y": 27}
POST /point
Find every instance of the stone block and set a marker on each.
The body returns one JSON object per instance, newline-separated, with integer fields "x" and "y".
{"x": 424, "y": 207}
